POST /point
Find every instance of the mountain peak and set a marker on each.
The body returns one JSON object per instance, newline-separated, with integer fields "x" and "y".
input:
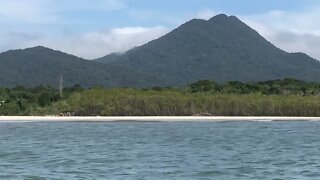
{"x": 220, "y": 17}
{"x": 220, "y": 49}
{"x": 38, "y": 48}
{"x": 225, "y": 19}
{"x": 44, "y": 50}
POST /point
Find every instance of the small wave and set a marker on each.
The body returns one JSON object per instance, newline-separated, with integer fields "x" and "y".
{"x": 265, "y": 120}
{"x": 14, "y": 121}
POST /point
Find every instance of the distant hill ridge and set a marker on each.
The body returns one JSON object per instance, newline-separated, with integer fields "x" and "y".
{"x": 220, "y": 49}
{"x": 43, "y": 66}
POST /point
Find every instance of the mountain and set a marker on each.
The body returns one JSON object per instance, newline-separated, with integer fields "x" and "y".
{"x": 43, "y": 66}
{"x": 220, "y": 49}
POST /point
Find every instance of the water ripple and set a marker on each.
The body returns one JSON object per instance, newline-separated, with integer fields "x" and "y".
{"x": 222, "y": 150}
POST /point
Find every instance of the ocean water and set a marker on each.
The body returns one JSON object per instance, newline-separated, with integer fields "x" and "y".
{"x": 219, "y": 150}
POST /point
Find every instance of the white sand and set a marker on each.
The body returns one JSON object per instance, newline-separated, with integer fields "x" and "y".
{"x": 149, "y": 119}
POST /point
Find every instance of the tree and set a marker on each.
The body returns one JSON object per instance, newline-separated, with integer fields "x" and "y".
{"x": 44, "y": 99}
{"x": 202, "y": 86}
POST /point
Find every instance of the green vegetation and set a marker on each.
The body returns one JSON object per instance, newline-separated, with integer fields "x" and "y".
{"x": 288, "y": 97}
{"x": 31, "y": 101}
{"x": 221, "y": 49}
{"x": 43, "y": 66}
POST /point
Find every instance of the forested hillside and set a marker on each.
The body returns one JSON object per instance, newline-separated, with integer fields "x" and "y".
{"x": 220, "y": 49}
{"x": 43, "y": 66}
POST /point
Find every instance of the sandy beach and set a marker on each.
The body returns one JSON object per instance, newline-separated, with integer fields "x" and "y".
{"x": 149, "y": 119}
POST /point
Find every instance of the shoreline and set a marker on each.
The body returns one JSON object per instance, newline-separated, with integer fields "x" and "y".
{"x": 150, "y": 118}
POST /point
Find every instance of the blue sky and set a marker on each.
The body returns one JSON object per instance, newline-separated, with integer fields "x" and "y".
{"x": 93, "y": 28}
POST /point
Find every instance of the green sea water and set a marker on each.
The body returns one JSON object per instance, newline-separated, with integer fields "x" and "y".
{"x": 218, "y": 150}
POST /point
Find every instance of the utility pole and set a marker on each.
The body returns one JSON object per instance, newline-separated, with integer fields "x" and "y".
{"x": 1, "y": 105}
{"x": 61, "y": 86}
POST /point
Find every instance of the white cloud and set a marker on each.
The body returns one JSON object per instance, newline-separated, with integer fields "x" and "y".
{"x": 290, "y": 31}
{"x": 97, "y": 44}
{"x": 42, "y": 22}
{"x": 21, "y": 11}
{"x": 39, "y": 22}
{"x": 87, "y": 45}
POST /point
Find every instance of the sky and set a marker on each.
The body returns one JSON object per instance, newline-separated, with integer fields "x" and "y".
{"x": 94, "y": 28}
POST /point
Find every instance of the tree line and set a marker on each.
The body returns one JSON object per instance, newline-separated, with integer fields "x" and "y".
{"x": 287, "y": 97}
{"x": 286, "y": 86}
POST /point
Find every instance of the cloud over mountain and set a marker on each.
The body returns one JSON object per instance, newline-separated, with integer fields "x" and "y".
{"x": 76, "y": 27}
{"x": 291, "y": 31}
